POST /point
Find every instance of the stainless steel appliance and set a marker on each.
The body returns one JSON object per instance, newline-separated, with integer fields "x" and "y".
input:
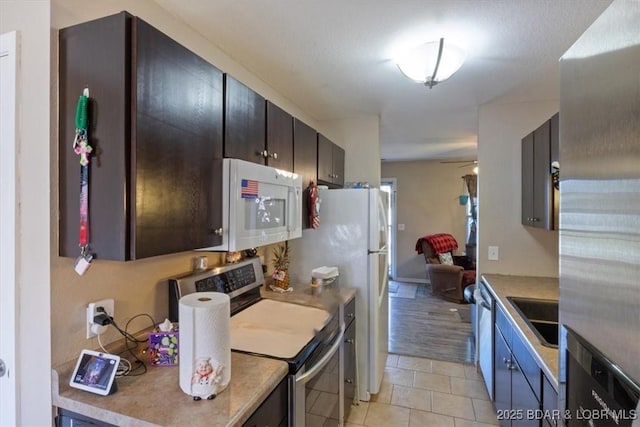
{"x": 260, "y": 205}
{"x": 600, "y": 198}
{"x": 485, "y": 307}
{"x": 308, "y": 339}
{"x": 353, "y": 237}
{"x": 598, "y": 393}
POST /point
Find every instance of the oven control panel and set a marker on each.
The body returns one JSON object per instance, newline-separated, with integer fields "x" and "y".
{"x": 232, "y": 279}
{"x": 227, "y": 281}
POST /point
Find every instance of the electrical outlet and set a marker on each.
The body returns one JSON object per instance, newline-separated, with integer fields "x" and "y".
{"x": 94, "y": 329}
{"x": 493, "y": 255}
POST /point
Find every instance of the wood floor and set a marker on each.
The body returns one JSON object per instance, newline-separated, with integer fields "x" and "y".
{"x": 425, "y": 326}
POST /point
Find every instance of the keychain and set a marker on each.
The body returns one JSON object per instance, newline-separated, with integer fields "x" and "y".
{"x": 83, "y": 262}
{"x": 83, "y": 149}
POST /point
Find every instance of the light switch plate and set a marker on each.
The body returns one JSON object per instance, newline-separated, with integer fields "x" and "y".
{"x": 400, "y": 227}
{"x": 493, "y": 253}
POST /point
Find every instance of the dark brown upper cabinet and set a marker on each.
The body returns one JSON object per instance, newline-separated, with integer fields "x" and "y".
{"x": 279, "y": 144}
{"x": 245, "y": 122}
{"x": 305, "y": 161}
{"x": 330, "y": 163}
{"x": 155, "y": 122}
{"x": 539, "y": 198}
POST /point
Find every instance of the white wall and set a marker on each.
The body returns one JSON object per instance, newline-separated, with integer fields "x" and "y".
{"x": 360, "y": 137}
{"x": 523, "y": 250}
{"x": 33, "y": 368}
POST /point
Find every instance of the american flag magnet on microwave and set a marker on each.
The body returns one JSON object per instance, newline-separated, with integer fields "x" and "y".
{"x": 249, "y": 189}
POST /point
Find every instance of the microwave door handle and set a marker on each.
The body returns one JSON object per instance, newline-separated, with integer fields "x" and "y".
{"x": 308, "y": 375}
{"x": 293, "y": 208}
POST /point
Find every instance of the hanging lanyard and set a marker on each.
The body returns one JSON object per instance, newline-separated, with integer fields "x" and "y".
{"x": 83, "y": 149}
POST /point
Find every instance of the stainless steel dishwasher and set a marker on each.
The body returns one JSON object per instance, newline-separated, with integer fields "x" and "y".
{"x": 485, "y": 306}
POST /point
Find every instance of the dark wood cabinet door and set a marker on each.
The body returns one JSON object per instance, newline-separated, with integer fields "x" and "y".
{"x": 549, "y": 402}
{"x": 522, "y": 398}
{"x": 555, "y": 137}
{"x": 244, "y": 122}
{"x": 555, "y": 157}
{"x": 502, "y": 377}
{"x": 279, "y": 138}
{"x": 305, "y": 162}
{"x": 527, "y": 180}
{"x": 305, "y": 152}
{"x": 273, "y": 411}
{"x": 177, "y": 139}
{"x": 325, "y": 159}
{"x": 338, "y": 166}
{"x": 330, "y": 163}
{"x": 349, "y": 367}
{"x": 95, "y": 55}
{"x": 155, "y": 114}
{"x": 542, "y": 177}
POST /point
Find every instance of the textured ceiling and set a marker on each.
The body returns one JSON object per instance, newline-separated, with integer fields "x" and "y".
{"x": 334, "y": 58}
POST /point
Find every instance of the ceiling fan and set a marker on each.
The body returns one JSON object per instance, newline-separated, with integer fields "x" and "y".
{"x": 465, "y": 162}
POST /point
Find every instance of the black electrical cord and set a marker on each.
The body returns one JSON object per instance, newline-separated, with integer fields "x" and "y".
{"x": 128, "y": 339}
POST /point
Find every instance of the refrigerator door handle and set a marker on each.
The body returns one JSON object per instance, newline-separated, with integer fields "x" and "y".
{"x": 380, "y": 251}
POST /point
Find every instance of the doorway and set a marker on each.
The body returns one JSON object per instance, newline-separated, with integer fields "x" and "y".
{"x": 388, "y": 185}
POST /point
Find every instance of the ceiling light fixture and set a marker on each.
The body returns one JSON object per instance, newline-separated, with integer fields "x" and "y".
{"x": 431, "y": 63}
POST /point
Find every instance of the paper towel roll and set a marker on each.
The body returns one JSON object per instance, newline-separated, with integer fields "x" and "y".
{"x": 205, "y": 344}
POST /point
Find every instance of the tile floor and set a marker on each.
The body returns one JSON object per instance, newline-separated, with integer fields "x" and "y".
{"x": 419, "y": 392}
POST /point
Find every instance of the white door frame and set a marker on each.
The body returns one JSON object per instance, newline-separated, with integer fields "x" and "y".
{"x": 393, "y": 182}
{"x": 9, "y": 63}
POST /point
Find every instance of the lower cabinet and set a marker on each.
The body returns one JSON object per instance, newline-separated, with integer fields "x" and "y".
{"x": 273, "y": 411}
{"x": 67, "y": 418}
{"x": 523, "y": 394}
{"x": 517, "y": 378}
{"x": 549, "y": 404}
{"x": 349, "y": 361}
{"x": 515, "y": 401}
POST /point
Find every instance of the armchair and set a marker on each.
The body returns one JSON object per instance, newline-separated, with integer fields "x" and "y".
{"x": 447, "y": 280}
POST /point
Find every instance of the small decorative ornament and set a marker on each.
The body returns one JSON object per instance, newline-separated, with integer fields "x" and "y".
{"x": 205, "y": 379}
{"x": 314, "y": 206}
{"x": 233, "y": 257}
{"x": 281, "y": 266}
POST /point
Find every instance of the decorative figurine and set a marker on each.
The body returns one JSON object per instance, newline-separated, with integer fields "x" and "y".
{"x": 205, "y": 379}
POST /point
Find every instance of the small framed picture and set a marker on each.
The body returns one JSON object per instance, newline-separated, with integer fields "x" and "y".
{"x": 95, "y": 372}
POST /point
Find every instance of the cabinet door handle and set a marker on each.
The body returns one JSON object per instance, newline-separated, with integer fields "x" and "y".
{"x": 263, "y": 153}
{"x": 217, "y": 231}
{"x": 351, "y": 315}
{"x": 274, "y": 156}
{"x": 348, "y": 381}
{"x": 349, "y": 341}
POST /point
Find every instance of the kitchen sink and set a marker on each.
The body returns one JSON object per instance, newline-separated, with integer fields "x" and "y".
{"x": 541, "y": 315}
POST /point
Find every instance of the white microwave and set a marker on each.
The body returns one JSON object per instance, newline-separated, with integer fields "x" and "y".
{"x": 261, "y": 205}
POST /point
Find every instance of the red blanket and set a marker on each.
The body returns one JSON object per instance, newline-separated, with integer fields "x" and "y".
{"x": 440, "y": 243}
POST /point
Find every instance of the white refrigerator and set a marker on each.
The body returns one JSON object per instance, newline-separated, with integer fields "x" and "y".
{"x": 353, "y": 237}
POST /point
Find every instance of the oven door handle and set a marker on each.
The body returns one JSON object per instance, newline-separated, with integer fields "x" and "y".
{"x": 308, "y": 375}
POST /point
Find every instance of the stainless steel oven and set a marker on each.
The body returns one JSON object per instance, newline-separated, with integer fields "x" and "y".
{"x": 317, "y": 387}
{"x": 307, "y": 338}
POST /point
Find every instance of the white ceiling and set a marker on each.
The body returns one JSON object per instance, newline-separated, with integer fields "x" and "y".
{"x": 334, "y": 58}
